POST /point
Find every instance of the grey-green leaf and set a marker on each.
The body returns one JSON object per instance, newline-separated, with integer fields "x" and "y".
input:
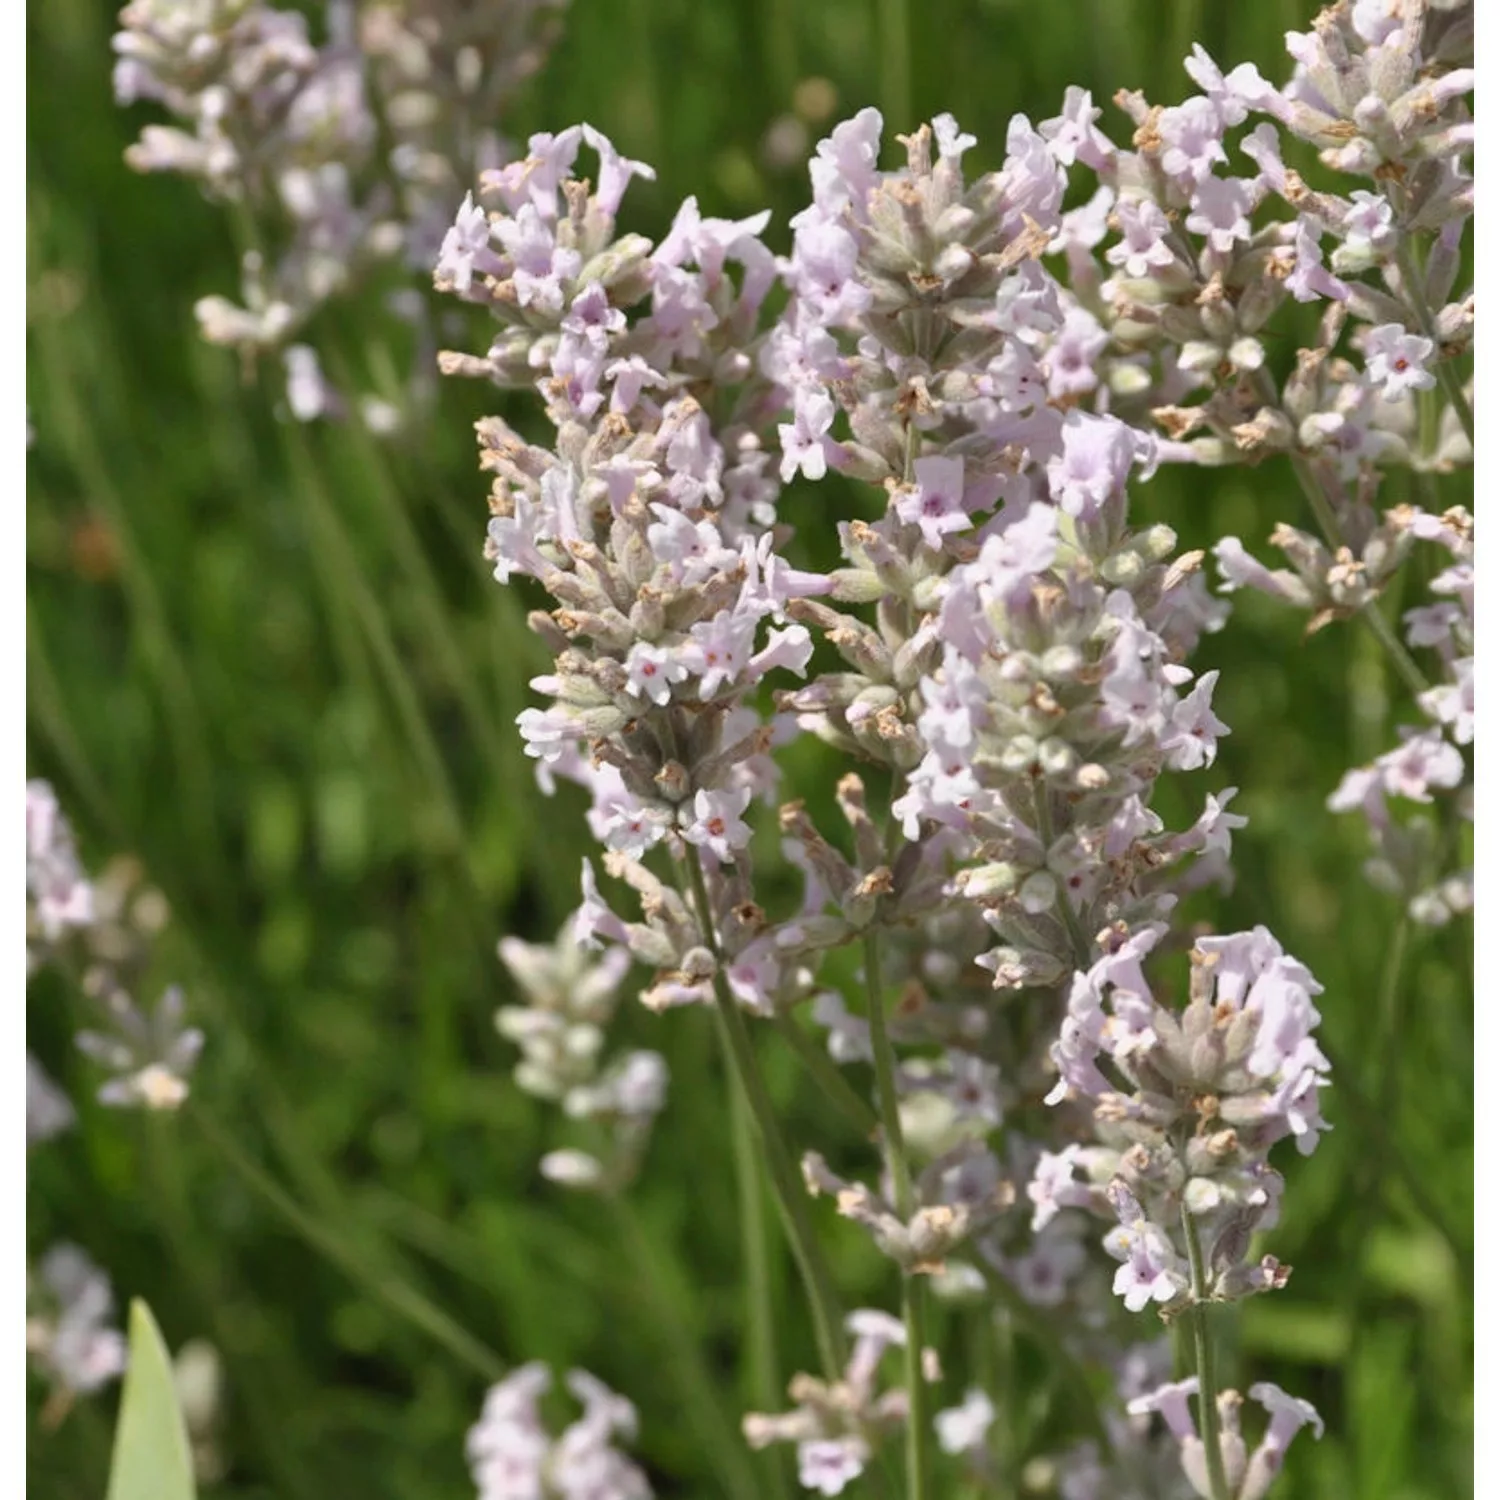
{"x": 151, "y": 1458}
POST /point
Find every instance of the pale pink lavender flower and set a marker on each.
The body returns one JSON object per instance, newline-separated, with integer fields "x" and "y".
{"x": 1288, "y": 1416}
{"x": 828, "y": 1465}
{"x": 59, "y": 895}
{"x": 67, "y": 1323}
{"x": 1143, "y": 247}
{"x": 1174, "y": 1403}
{"x": 935, "y": 503}
{"x": 803, "y": 445}
{"x": 1396, "y": 361}
{"x": 653, "y": 672}
{"x": 1151, "y": 1270}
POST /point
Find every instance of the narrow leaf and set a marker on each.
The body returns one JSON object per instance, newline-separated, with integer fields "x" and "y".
{"x": 151, "y": 1458}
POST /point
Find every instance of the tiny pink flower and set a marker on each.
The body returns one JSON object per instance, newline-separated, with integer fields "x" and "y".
{"x": 1396, "y": 361}
{"x": 716, "y": 822}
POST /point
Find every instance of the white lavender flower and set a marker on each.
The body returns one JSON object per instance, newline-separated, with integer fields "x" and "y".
{"x": 148, "y": 1055}
{"x": 571, "y": 997}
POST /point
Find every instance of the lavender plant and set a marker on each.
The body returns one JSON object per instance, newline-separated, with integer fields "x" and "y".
{"x": 1022, "y": 686}
{"x": 979, "y": 969}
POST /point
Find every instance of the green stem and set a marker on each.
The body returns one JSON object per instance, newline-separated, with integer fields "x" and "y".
{"x": 817, "y": 1280}
{"x": 398, "y": 1296}
{"x": 1416, "y": 295}
{"x": 913, "y": 1311}
{"x": 918, "y": 1419}
{"x": 1383, "y": 1061}
{"x": 1384, "y": 632}
{"x": 835, "y": 1087}
{"x": 760, "y": 1302}
{"x": 885, "y": 1080}
{"x": 1327, "y": 519}
{"x": 1203, "y": 1349}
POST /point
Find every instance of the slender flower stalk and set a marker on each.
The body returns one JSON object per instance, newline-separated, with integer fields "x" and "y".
{"x": 816, "y": 1278}
{"x": 1203, "y": 1356}
{"x": 760, "y": 1307}
{"x": 918, "y": 1439}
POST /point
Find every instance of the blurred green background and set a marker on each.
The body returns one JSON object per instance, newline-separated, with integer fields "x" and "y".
{"x": 269, "y": 662}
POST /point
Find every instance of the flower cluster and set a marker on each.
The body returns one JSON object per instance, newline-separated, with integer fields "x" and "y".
{"x": 561, "y": 1033}
{"x": 513, "y": 1456}
{"x": 1249, "y": 1477}
{"x": 838, "y": 1426}
{"x": 648, "y": 524}
{"x": 114, "y": 919}
{"x": 59, "y": 896}
{"x": 1183, "y": 1123}
{"x": 336, "y": 157}
{"x": 69, "y": 1301}
{"x": 68, "y": 1332}
{"x": 1180, "y": 314}
{"x": 1411, "y": 857}
{"x": 149, "y": 1055}
{"x": 1184, "y": 297}
{"x": 272, "y": 123}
